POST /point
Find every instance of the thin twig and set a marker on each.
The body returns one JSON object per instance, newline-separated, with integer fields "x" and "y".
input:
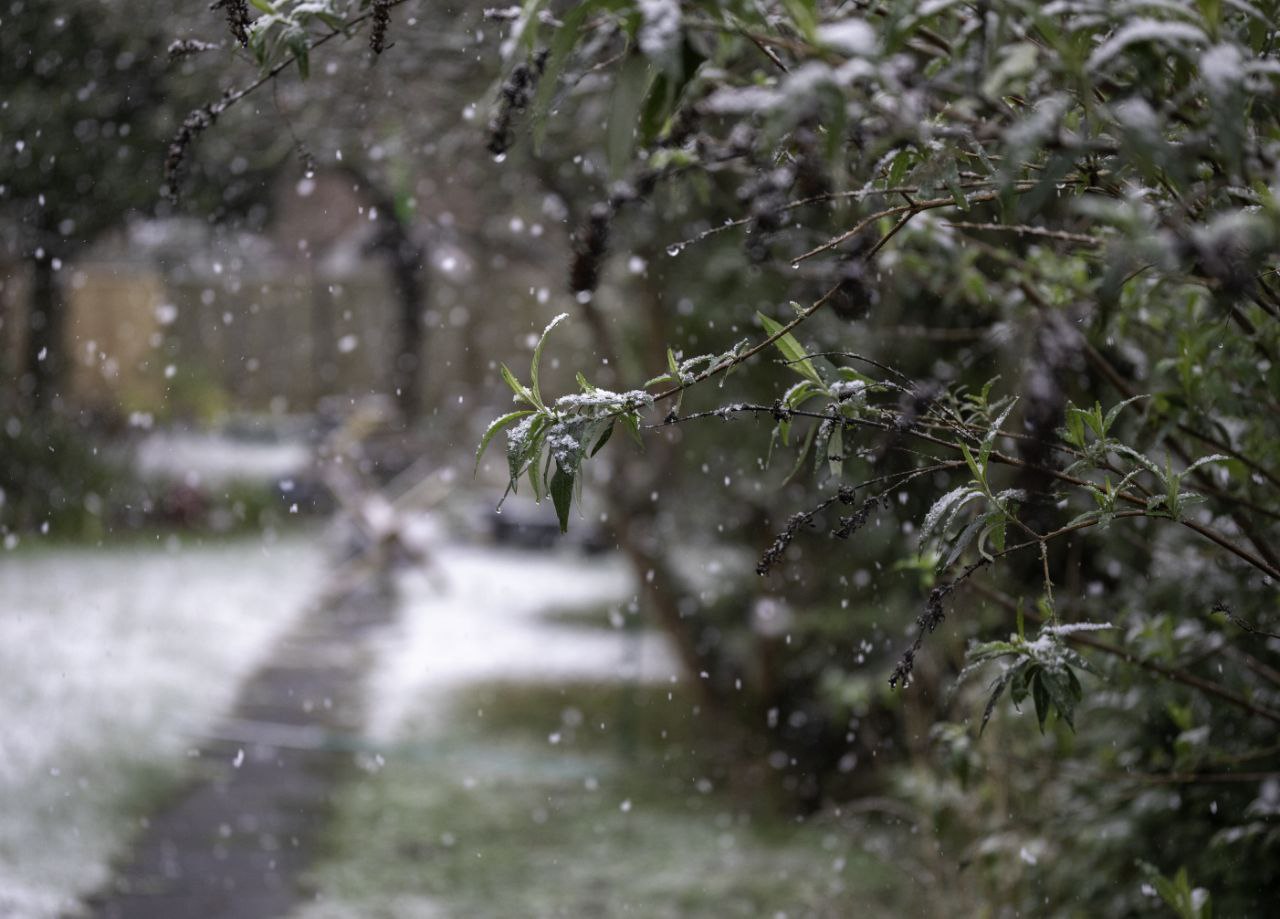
{"x": 912, "y": 209}
{"x": 785, "y": 330}
{"x": 1024, "y": 230}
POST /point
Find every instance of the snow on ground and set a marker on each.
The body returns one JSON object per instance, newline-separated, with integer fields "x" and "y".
{"x": 214, "y": 459}
{"x": 111, "y": 660}
{"x": 478, "y": 616}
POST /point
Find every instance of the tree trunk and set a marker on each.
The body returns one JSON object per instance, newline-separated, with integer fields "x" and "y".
{"x": 406, "y": 268}
{"x": 44, "y": 346}
{"x": 406, "y": 259}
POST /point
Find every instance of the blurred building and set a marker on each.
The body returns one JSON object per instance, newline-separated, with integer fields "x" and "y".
{"x": 186, "y": 319}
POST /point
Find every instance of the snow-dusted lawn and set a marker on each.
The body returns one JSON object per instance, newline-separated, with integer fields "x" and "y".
{"x": 110, "y": 660}
{"x": 477, "y": 616}
{"x": 536, "y": 769}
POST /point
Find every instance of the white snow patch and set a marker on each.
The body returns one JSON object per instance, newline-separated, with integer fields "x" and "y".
{"x": 660, "y": 28}
{"x": 852, "y": 36}
{"x": 1143, "y": 30}
{"x": 112, "y": 660}
{"x": 212, "y": 459}
{"x": 1222, "y": 69}
{"x": 484, "y": 624}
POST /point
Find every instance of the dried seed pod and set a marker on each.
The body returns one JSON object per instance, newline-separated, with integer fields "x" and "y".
{"x": 513, "y": 98}
{"x": 780, "y": 543}
{"x": 589, "y": 246}
{"x": 196, "y": 123}
{"x": 237, "y": 13}
{"x": 380, "y": 13}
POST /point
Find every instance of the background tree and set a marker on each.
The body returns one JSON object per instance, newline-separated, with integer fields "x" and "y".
{"x": 82, "y": 125}
{"x": 1026, "y": 382}
{"x": 95, "y": 90}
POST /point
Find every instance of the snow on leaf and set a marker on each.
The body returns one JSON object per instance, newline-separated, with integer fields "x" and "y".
{"x": 1070, "y": 628}
{"x": 1144, "y": 30}
{"x": 497, "y": 425}
{"x": 660, "y": 29}
{"x": 852, "y": 36}
{"x": 537, "y": 353}
{"x": 952, "y": 499}
{"x": 1222, "y": 69}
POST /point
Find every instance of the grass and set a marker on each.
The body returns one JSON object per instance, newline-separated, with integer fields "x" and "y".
{"x": 582, "y": 800}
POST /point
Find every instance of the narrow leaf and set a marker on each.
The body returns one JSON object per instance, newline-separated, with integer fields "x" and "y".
{"x": 562, "y": 496}
{"x": 517, "y": 387}
{"x": 537, "y": 356}
{"x": 797, "y": 357}
{"x": 604, "y": 439}
{"x": 493, "y": 429}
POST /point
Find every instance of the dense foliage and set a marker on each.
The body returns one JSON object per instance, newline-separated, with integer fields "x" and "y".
{"x": 1026, "y": 383}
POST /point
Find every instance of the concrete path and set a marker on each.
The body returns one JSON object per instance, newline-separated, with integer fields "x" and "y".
{"x": 233, "y": 843}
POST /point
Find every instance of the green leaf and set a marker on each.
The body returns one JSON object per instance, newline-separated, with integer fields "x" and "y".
{"x": 1141, "y": 459}
{"x": 1074, "y": 433}
{"x": 521, "y": 453}
{"x": 1061, "y": 695}
{"x": 537, "y": 356}
{"x": 898, "y": 167}
{"x": 1040, "y": 696}
{"x": 521, "y": 391}
{"x": 945, "y": 509}
{"x": 797, "y": 395}
{"x": 562, "y": 496}
{"x": 1079, "y": 662}
{"x": 835, "y": 451}
{"x": 990, "y": 650}
{"x": 1116, "y": 409}
{"x": 797, "y": 357}
{"x": 632, "y": 423}
{"x": 997, "y": 689}
{"x": 1215, "y": 458}
{"x": 994, "y": 532}
{"x": 604, "y": 439}
{"x": 630, "y": 87}
{"x": 993, "y": 432}
{"x": 1019, "y": 685}
{"x": 977, "y": 471}
{"x": 804, "y": 451}
{"x": 565, "y": 39}
{"x": 1095, "y": 420}
{"x": 821, "y": 444}
{"x": 493, "y": 429}
{"x": 804, "y": 13}
{"x": 963, "y": 541}
{"x": 1076, "y": 690}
